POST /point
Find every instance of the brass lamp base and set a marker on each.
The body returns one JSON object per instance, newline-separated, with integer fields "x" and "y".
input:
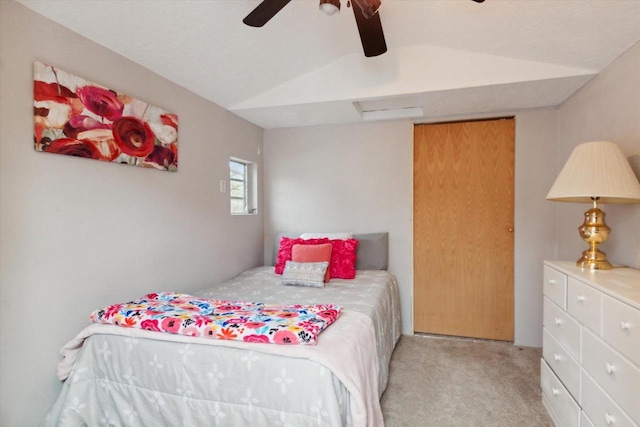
{"x": 594, "y": 231}
{"x": 594, "y": 260}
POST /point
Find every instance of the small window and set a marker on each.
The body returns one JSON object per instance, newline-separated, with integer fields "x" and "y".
{"x": 241, "y": 187}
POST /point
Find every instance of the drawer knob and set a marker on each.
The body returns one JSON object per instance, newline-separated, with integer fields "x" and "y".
{"x": 552, "y": 281}
{"x": 625, "y": 326}
{"x": 558, "y": 321}
{"x": 581, "y": 298}
{"x": 555, "y": 391}
{"x": 609, "y": 418}
{"x": 557, "y": 357}
{"x": 610, "y": 368}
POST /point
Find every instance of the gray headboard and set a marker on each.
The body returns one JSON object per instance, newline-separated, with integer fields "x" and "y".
{"x": 372, "y": 252}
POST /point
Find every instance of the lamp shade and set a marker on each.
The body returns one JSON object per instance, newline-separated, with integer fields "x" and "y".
{"x": 596, "y": 169}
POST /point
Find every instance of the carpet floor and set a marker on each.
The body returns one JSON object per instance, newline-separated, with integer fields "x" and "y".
{"x": 463, "y": 382}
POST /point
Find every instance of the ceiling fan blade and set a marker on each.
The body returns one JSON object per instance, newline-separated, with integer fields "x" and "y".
{"x": 371, "y": 33}
{"x": 264, "y": 12}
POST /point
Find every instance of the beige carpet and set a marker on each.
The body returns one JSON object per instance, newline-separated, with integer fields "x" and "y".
{"x": 463, "y": 382}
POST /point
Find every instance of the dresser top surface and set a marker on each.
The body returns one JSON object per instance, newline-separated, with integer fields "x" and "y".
{"x": 620, "y": 282}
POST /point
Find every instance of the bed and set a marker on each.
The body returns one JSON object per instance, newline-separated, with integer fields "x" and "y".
{"x": 132, "y": 377}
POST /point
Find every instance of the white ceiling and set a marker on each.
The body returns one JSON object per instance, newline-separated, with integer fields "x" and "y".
{"x": 449, "y": 58}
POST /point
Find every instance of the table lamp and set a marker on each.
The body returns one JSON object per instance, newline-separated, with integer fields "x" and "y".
{"x": 596, "y": 172}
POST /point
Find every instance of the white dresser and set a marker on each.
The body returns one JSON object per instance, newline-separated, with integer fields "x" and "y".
{"x": 590, "y": 370}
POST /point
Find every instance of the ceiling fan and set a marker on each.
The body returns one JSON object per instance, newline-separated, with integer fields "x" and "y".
{"x": 365, "y": 11}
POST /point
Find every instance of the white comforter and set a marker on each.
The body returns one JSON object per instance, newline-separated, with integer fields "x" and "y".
{"x": 131, "y": 377}
{"x": 347, "y": 348}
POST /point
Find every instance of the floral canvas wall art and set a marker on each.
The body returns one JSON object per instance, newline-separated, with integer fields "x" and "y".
{"x": 78, "y": 118}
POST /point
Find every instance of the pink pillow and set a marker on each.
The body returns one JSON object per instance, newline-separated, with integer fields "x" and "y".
{"x": 313, "y": 253}
{"x": 343, "y": 259}
{"x": 286, "y": 248}
{"x": 343, "y": 255}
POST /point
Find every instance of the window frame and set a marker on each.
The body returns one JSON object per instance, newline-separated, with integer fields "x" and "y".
{"x": 249, "y": 182}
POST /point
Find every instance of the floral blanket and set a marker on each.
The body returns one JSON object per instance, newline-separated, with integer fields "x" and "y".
{"x": 183, "y": 314}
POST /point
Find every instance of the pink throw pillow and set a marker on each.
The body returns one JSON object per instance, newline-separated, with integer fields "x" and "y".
{"x": 313, "y": 253}
{"x": 343, "y": 255}
{"x": 343, "y": 259}
{"x": 286, "y": 248}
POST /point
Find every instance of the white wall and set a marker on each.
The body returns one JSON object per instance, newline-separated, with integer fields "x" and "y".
{"x": 359, "y": 178}
{"x": 343, "y": 178}
{"x": 607, "y": 108}
{"x": 534, "y": 219}
{"x": 79, "y": 234}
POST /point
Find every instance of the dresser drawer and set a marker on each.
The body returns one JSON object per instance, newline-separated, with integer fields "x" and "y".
{"x": 562, "y": 364}
{"x": 621, "y": 327}
{"x": 563, "y": 328}
{"x": 555, "y": 286}
{"x": 602, "y": 411}
{"x": 584, "y": 303}
{"x": 616, "y": 375}
{"x": 566, "y": 411}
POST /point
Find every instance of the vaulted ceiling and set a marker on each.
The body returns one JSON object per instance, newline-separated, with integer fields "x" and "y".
{"x": 446, "y": 59}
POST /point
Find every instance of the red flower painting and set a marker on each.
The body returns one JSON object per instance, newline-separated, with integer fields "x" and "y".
{"x": 101, "y": 102}
{"x": 80, "y": 123}
{"x": 78, "y": 118}
{"x": 73, "y": 147}
{"x": 134, "y": 137}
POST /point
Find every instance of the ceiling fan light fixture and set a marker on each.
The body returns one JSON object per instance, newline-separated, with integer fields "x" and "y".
{"x": 330, "y": 7}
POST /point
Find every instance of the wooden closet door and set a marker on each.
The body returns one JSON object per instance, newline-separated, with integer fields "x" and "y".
{"x": 463, "y": 193}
